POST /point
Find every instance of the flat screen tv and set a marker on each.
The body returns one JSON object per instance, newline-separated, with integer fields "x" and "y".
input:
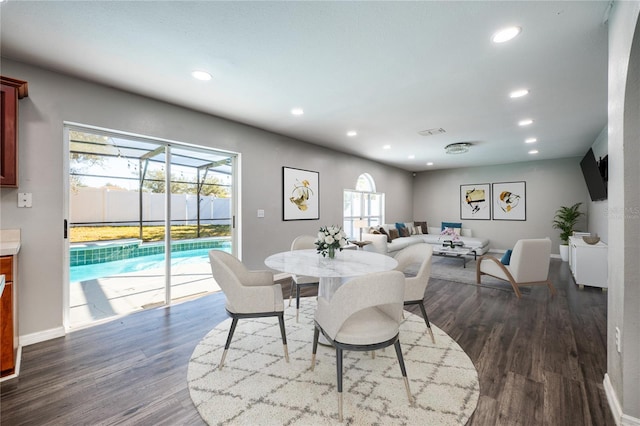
{"x": 594, "y": 176}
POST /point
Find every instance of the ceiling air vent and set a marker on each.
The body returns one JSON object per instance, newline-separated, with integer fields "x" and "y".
{"x": 431, "y": 132}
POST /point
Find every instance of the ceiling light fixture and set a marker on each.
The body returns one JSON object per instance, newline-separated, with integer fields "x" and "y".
{"x": 519, "y": 93}
{"x": 533, "y": 151}
{"x": 429, "y": 163}
{"x": 525, "y": 122}
{"x": 530, "y": 140}
{"x": 505, "y": 34}
{"x": 386, "y": 147}
{"x": 411, "y": 157}
{"x": 297, "y": 111}
{"x": 201, "y": 75}
{"x": 352, "y": 133}
{"x": 457, "y": 148}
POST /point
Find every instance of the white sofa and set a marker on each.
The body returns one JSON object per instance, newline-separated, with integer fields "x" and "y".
{"x": 379, "y": 242}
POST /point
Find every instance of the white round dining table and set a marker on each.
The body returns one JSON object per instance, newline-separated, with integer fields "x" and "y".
{"x": 331, "y": 272}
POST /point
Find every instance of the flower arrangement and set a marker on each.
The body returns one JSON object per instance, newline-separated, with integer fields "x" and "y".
{"x": 329, "y": 239}
{"x": 453, "y": 237}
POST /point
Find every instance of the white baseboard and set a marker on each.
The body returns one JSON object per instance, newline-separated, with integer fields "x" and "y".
{"x": 41, "y": 336}
{"x": 620, "y": 418}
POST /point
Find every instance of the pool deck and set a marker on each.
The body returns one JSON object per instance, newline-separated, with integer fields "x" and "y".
{"x": 105, "y": 298}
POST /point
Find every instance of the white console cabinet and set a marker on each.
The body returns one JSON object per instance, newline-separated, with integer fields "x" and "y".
{"x": 588, "y": 263}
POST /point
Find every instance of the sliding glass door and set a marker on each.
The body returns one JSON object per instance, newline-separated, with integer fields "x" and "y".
{"x": 142, "y": 216}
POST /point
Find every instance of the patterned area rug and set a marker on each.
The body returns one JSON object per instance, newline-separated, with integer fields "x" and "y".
{"x": 257, "y": 386}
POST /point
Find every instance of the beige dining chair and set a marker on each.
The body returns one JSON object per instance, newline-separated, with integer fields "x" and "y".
{"x": 529, "y": 265}
{"x": 299, "y": 281}
{"x": 250, "y": 294}
{"x": 416, "y": 286}
{"x": 364, "y": 314}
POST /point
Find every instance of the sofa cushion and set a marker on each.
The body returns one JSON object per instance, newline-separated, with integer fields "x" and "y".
{"x": 384, "y": 232}
{"x": 393, "y": 234}
{"x": 404, "y": 232}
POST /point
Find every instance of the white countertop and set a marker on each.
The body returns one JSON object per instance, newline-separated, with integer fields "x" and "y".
{"x": 9, "y": 242}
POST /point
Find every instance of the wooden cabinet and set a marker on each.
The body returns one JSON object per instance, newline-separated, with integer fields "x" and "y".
{"x": 11, "y": 91}
{"x": 8, "y": 317}
{"x": 588, "y": 263}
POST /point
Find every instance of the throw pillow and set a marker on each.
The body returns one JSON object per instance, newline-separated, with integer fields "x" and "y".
{"x": 382, "y": 231}
{"x": 399, "y": 226}
{"x": 418, "y": 230}
{"x": 506, "y": 257}
{"x": 375, "y": 231}
{"x": 423, "y": 226}
{"x": 454, "y": 225}
{"x": 404, "y": 232}
{"x": 393, "y": 234}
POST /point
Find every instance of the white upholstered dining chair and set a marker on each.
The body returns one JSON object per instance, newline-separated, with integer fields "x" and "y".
{"x": 301, "y": 243}
{"x": 529, "y": 265}
{"x": 364, "y": 314}
{"x": 250, "y": 294}
{"x": 415, "y": 286}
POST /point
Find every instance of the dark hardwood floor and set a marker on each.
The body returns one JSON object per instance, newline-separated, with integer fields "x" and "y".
{"x": 541, "y": 360}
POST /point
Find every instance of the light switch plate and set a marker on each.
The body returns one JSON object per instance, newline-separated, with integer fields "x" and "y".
{"x": 260, "y": 213}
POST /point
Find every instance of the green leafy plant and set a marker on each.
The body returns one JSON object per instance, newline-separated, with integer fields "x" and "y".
{"x": 565, "y": 219}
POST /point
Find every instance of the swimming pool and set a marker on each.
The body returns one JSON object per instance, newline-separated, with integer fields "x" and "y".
{"x": 136, "y": 264}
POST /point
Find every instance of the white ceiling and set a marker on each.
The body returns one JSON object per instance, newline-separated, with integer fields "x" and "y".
{"x": 385, "y": 69}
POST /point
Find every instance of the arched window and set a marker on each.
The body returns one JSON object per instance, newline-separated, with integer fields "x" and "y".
{"x": 363, "y": 207}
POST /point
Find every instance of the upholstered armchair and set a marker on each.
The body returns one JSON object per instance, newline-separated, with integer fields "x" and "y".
{"x": 529, "y": 265}
{"x": 250, "y": 294}
{"x": 364, "y": 314}
{"x": 300, "y": 243}
{"x": 415, "y": 286}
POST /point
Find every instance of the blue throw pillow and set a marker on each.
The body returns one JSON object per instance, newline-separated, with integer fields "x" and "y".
{"x": 506, "y": 257}
{"x": 451, "y": 225}
{"x": 399, "y": 226}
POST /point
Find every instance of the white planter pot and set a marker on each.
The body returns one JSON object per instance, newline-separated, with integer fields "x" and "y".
{"x": 564, "y": 252}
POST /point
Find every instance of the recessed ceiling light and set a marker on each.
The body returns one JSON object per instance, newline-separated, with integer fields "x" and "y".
{"x": 201, "y": 75}
{"x": 411, "y": 157}
{"x": 505, "y": 34}
{"x": 525, "y": 122}
{"x": 352, "y": 133}
{"x": 518, "y": 93}
{"x": 386, "y": 147}
{"x": 297, "y": 111}
{"x": 429, "y": 163}
{"x": 533, "y": 151}
{"x": 530, "y": 140}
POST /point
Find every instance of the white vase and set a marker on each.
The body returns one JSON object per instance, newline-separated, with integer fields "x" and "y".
{"x": 564, "y": 252}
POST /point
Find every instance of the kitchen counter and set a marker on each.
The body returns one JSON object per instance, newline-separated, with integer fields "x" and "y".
{"x": 9, "y": 242}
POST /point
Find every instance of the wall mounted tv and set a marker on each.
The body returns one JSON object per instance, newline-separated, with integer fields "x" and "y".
{"x": 595, "y": 175}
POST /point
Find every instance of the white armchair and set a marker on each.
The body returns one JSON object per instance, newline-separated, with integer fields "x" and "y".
{"x": 250, "y": 294}
{"x": 529, "y": 265}
{"x": 364, "y": 314}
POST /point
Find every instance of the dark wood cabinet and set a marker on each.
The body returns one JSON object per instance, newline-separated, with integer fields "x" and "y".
{"x": 11, "y": 91}
{"x": 8, "y": 316}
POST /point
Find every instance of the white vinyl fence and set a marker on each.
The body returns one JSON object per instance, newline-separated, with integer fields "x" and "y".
{"x": 90, "y": 205}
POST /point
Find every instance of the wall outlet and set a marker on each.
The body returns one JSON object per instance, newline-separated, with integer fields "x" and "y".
{"x": 260, "y": 213}
{"x": 618, "y": 341}
{"x": 25, "y": 199}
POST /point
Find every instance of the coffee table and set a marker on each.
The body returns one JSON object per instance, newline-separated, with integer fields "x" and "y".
{"x": 458, "y": 251}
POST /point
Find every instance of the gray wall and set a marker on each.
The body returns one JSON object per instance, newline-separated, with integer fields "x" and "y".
{"x": 623, "y": 369}
{"x": 55, "y": 98}
{"x": 549, "y": 185}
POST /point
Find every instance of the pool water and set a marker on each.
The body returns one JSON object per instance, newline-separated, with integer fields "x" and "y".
{"x": 136, "y": 264}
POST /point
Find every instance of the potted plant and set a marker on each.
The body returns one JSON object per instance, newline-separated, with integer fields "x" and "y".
{"x": 564, "y": 220}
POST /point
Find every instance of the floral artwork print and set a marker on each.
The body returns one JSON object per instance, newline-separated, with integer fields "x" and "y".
{"x": 300, "y": 190}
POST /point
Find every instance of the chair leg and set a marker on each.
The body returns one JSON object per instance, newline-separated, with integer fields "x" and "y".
{"x": 293, "y": 284}
{"x": 516, "y": 289}
{"x": 339, "y": 371}
{"x": 297, "y": 302}
{"x": 316, "y": 334}
{"x": 426, "y": 320}
{"x": 403, "y": 370}
{"x": 284, "y": 336}
{"x": 234, "y": 322}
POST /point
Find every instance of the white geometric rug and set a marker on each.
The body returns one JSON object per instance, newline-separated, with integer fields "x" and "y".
{"x": 257, "y": 386}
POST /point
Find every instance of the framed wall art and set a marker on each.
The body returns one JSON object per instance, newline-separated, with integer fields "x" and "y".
{"x": 301, "y": 194}
{"x": 475, "y": 201}
{"x": 509, "y": 201}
